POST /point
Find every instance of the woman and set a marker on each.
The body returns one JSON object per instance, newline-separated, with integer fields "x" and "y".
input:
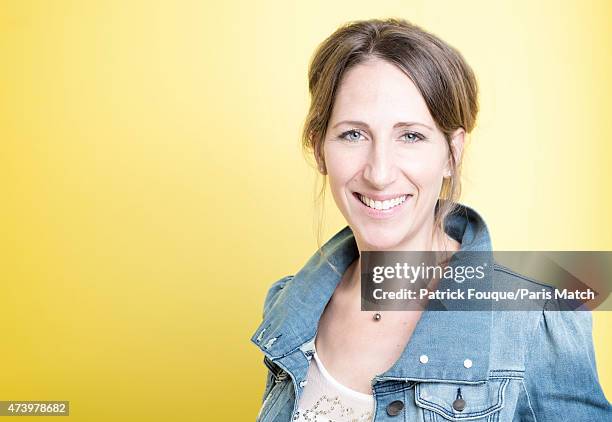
{"x": 391, "y": 107}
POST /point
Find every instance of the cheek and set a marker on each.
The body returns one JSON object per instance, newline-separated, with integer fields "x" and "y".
{"x": 424, "y": 171}
{"x": 342, "y": 164}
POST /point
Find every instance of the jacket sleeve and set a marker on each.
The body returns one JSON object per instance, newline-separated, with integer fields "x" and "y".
{"x": 561, "y": 379}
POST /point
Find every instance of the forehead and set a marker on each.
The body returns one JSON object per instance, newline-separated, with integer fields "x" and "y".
{"x": 378, "y": 92}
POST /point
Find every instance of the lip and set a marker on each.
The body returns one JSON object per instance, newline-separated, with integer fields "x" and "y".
{"x": 382, "y": 214}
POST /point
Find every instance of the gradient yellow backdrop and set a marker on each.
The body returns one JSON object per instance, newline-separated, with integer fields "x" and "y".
{"x": 153, "y": 186}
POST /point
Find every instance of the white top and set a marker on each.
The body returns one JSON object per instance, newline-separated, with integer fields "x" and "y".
{"x": 324, "y": 399}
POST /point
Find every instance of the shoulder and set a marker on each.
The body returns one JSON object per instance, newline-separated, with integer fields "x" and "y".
{"x": 563, "y": 334}
{"x": 525, "y": 313}
{"x": 273, "y": 292}
{"x": 542, "y": 329}
{"x": 549, "y": 318}
{"x": 548, "y": 313}
{"x": 507, "y": 275}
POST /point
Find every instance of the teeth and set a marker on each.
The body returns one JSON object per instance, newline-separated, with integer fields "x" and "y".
{"x": 382, "y": 205}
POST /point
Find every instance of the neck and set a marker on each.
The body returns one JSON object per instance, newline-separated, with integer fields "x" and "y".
{"x": 351, "y": 280}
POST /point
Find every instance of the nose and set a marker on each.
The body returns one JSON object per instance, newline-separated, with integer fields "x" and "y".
{"x": 380, "y": 165}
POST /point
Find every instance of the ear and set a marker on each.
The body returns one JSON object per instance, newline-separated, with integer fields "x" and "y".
{"x": 319, "y": 157}
{"x": 456, "y": 148}
{"x": 321, "y": 167}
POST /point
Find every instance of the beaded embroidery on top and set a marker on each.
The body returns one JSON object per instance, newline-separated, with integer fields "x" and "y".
{"x": 330, "y": 409}
{"x": 324, "y": 399}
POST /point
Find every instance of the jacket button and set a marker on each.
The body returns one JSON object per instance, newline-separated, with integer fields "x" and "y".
{"x": 395, "y": 407}
{"x": 467, "y": 363}
{"x": 459, "y": 404}
{"x": 424, "y": 359}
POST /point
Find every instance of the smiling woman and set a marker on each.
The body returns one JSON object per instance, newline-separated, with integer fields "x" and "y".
{"x": 391, "y": 107}
{"x": 385, "y": 162}
{"x": 427, "y": 94}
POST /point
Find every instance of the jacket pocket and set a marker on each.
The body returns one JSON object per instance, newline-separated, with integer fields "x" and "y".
{"x": 446, "y": 401}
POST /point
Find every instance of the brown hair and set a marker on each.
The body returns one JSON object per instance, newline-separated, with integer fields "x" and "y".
{"x": 439, "y": 71}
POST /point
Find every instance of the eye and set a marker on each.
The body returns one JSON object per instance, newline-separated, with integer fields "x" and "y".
{"x": 351, "y": 138}
{"x": 412, "y": 137}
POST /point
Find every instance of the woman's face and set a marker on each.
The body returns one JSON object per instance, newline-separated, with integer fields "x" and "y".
{"x": 382, "y": 145}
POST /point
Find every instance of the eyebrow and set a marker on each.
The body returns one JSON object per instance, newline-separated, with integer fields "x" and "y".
{"x": 364, "y": 124}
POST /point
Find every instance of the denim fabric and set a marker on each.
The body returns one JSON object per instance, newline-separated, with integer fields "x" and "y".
{"x": 526, "y": 365}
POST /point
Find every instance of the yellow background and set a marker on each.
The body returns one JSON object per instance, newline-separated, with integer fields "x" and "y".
{"x": 153, "y": 186}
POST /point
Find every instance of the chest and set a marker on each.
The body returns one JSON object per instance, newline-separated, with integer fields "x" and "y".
{"x": 348, "y": 338}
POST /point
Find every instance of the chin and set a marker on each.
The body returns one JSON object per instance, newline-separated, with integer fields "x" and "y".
{"x": 379, "y": 238}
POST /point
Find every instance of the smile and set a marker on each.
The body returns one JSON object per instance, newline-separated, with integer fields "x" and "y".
{"x": 381, "y": 205}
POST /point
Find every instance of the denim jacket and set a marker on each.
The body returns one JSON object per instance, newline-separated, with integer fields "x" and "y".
{"x": 525, "y": 366}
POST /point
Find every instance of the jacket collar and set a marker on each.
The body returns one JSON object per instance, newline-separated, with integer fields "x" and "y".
{"x": 447, "y": 338}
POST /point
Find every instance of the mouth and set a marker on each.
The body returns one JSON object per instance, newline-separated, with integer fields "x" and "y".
{"x": 387, "y": 204}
